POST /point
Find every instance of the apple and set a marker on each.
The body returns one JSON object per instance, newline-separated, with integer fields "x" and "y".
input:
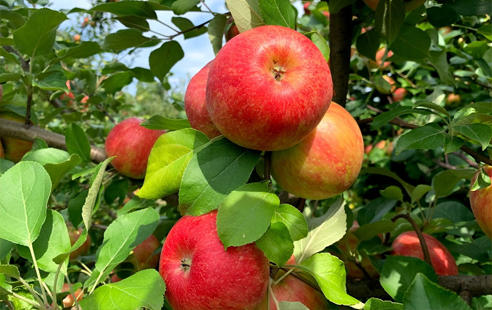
{"x": 14, "y": 149}
{"x": 481, "y": 204}
{"x": 200, "y": 274}
{"x": 115, "y": 278}
{"x": 74, "y": 235}
{"x": 306, "y": 6}
{"x": 408, "y": 244}
{"x": 76, "y": 37}
{"x": 195, "y": 102}
{"x": 410, "y": 5}
{"x": 268, "y": 88}
{"x": 131, "y": 144}
{"x": 453, "y": 99}
{"x": 379, "y": 59}
{"x": 143, "y": 254}
{"x": 231, "y": 29}
{"x": 69, "y": 300}
{"x": 325, "y": 163}
{"x": 399, "y": 94}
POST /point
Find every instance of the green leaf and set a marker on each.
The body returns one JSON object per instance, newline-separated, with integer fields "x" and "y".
{"x": 37, "y": 36}
{"x": 213, "y": 173}
{"x": 121, "y": 236}
{"x": 369, "y": 231}
{"x": 390, "y": 15}
{"x": 321, "y": 43}
{"x": 398, "y": 273}
{"x": 382, "y": 171}
{"x": 435, "y": 108}
{"x": 486, "y": 31}
{"x": 164, "y": 58}
{"x": 24, "y": 194}
{"x": 442, "y": 16}
{"x": 245, "y": 214}
{"x": 216, "y": 29}
{"x": 77, "y": 142}
{"x": 53, "y": 240}
{"x": 378, "y": 304}
{"x": 136, "y": 22}
{"x": 185, "y": 24}
{"x": 5, "y": 77}
{"x": 419, "y": 192}
{"x": 5, "y": 248}
{"x": 144, "y": 289}
{"x": 246, "y": 14}
{"x": 278, "y": 12}
{"x": 182, "y": 6}
{"x": 117, "y": 81}
{"x": 75, "y": 207}
{"x": 478, "y": 132}
{"x": 80, "y": 241}
{"x": 83, "y": 50}
{"x": 127, "y": 8}
{"x": 134, "y": 204}
{"x": 440, "y": 61}
{"x": 425, "y": 137}
{"x": 411, "y": 44}
{"x": 93, "y": 194}
{"x": 159, "y": 122}
{"x": 123, "y": 39}
{"x": 375, "y": 210}
{"x": 293, "y": 219}
{"x": 52, "y": 80}
{"x": 452, "y": 210}
{"x": 367, "y": 45}
{"x": 277, "y": 244}
{"x": 329, "y": 272}
{"x": 392, "y": 192}
{"x": 337, "y": 5}
{"x": 10, "y": 270}
{"x": 167, "y": 162}
{"x": 384, "y": 118}
{"x": 323, "y": 231}
{"x": 463, "y": 7}
{"x": 444, "y": 182}
{"x": 426, "y": 294}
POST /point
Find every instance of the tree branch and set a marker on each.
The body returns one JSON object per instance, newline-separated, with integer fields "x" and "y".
{"x": 30, "y": 133}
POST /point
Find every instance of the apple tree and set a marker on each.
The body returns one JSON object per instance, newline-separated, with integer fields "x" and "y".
{"x": 403, "y": 219}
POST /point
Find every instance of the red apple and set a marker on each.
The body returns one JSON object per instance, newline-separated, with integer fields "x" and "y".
{"x": 379, "y": 59}
{"x": 325, "y": 163}
{"x": 74, "y": 235}
{"x": 144, "y": 257}
{"x": 408, "y": 244}
{"x": 131, "y": 144}
{"x": 115, "y": 278}
{"x": 399, "y": 94}
{"x": 195, "y": 102}
{"x": 231, "y": 29}
{"x": 200, "y": 274}
{"x": 410, "y": 5}
{"x": 14, "y": 149}
{"x": 453, "y": 99}
{"x": 69, "y": 300}
{"x": 306, "y": 6}
{"x": 481, "y": 204}
{"x": 268, "y": 88}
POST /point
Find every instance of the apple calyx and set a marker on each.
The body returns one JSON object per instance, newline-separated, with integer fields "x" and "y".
{"x": 186, "y": 264}
{"x": 277, "y": 72}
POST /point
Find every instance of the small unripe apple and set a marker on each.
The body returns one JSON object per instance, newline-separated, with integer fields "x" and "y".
{"x": 14, "y": 149}
{"x": 74, "y": 235}
{"x": 201, "y": 275}
{"x": 131, "y": 144}
{"x": 408, "y": 244}
{"x": 324, "y": 164}
{"x": 231, "y": 29}
{"x": 144, "y": 256}
{"x": 481, "y": 204}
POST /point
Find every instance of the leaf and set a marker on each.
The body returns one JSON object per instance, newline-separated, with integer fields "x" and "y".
{"x": 37, "y": 36}
{"x": 134, "y": 204}
{"x": 452, "y": 210}
{"x": 52, "y": 80}
{"x": 127, "y": 8}
{"x": 435, "y": 108}
{"x": 398, "y": 273}
{"x": 426, "y": 294}
{"x": 478, "y": 132}
{"x": 75, "y": 205}
{"x": 321, "y": 43}
{"x": 216, "y": 29}
{"x": 24, "y": 194}
{"x": 293, "y": 219}
{"x": 83, "y": 50}
{"x": 159, "y": 122}
{"x": 136, "y": 22}
{"x": 92, "y": 196}
{"x": 440, "y": 62}
{"x": 164, "y": 58}
{"x": 411, "y": 44}
{"x": 277, "y": 244}
{"x": 486, "y": 31}
{"x": 337, "y": 5}
{"x": 369, "y": 231}
{"x": 392, "y": 192}
{"x": 182, "y": 6}
{"x": 419, "y": 192}
{"x": 382, "y": 171}
{"x": 10, "y": 270}
{"x": 246, "y": 14}
{"x": 5, "y": 248}
{"x": 390, "y": 15}
{"x": 444, "y": 182}
{"x": 185, "y": 24}
{"x": 245, "y": 214}
{"x": 367, "y": 45}
{"x": 117, "y": 81}
{"x": 80, "y": 241}
{"x": 77, "y": 142}
{"x": 442, "y": 16}
{"x": 375, "y": 210}
{"x": 53, "y": 240}
{"x": 278, "y": 12}
{"x": 429, "y": 136}
{"x": 121, "y": 236}
{"x": 463, "y": 7}
{"x": 378, "y": 304}
{"x": 167, "y": 162}
{"x": 213, "y": 173}
{"x": 329, "y": 272}
{"x": 144, "y": 289}
{"x": 384, "y": 118}
{"x": 323, "y": 232}
{"x": 123, "y": 39}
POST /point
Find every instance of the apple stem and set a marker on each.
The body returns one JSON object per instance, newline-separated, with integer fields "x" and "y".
{"x": 268, "y": 159}
{"x": 417, "y": 229}
{"x": 364, "y": 271}
{"x": 301, "y": 204}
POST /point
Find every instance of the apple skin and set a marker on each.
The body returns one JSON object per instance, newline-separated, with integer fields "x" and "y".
{"x": 131, "y": 144}
{"x": 14, "y": 149}
{"x": 74, "y": 235}
{"x": 481, "y": 204}
{"x": 408, "y": 244}
{"x": 144, "y": 257}
{"x": 69, "y": 301}
{"x": 268, "y": 88}
{"x": 326, "y": 163}
{"x": 410, "y": 5}
{"x": 195, "y": 102}
{"x": 399, "y": 94}
{"x": 200, "y": 274}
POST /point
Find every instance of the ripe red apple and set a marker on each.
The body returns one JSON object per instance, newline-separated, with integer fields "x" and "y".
{"x": 74, "y": 235}
{"x": 200, "y": 274}
{"x": 306, "y": 6}
{"x": 69, "y": 300}
{"x": 195, "y": 102}
{"x": 399, "y": 94}
{"x": 268, "y": 88}
{"x": 481, "y": 204}
{"x": 231, "y": 29}
{"x": 144, "y": 257}
{"x": 409, "y": 5}
{"x": 131, "y": 144}
{"x": 14, "y": 149}
{"x": 325, "y": 163}
{"x": 408, "y": 244}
